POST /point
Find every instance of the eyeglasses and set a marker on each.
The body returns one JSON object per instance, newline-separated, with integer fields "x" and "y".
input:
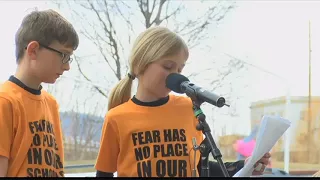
{"x": 65, "y": 58}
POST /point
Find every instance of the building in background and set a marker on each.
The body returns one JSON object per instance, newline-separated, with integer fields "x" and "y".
{"x": 301, "y": 129}
{"x": 226, "y": 146}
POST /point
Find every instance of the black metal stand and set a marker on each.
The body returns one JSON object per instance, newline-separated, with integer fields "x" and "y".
{"x": 207, "y": 145}
{"x": 205, "y": 151}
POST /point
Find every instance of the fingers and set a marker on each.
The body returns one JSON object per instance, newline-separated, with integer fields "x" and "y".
{"x": 264, "y": 161}
{"x": 260, "y": 167}
{"x": 258, "y": 173}
{"x": 267, "y": 155}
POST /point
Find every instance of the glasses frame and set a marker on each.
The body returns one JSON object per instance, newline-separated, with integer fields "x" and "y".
{"x": 65, "y": 58}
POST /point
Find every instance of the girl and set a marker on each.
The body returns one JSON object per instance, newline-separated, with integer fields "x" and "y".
{"x": 150, "y": 135}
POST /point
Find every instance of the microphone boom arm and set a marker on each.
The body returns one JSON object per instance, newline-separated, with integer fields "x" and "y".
{"x": 208, "y": 145}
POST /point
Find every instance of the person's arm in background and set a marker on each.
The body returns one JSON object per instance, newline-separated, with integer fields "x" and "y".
{"x": 103, "y": 174}
{"x": 106, "y": 163}
{"x": 6, "y": 133}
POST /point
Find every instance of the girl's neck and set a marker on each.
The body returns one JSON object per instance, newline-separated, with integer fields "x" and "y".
{"x": 146, "y": 96}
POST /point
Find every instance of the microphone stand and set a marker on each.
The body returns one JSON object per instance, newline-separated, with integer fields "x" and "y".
{"x": 207, "y": 145}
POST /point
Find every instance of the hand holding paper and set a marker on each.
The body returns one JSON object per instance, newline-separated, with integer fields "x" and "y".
{"x": 270, "y": 130}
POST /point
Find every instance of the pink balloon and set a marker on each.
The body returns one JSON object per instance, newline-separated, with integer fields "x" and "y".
{"x": 245, "y": 148}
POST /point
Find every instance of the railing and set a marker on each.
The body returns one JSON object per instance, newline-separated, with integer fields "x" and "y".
{"x": 79, "y": 166}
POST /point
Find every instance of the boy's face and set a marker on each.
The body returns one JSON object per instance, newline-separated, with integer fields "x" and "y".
{"x": 48, "y": 62}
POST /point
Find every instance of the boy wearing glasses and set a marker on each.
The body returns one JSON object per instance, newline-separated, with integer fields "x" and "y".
{"x": 31, "y": 136}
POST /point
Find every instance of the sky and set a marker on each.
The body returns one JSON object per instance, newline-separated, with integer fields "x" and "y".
{"x": 271, "y": 35}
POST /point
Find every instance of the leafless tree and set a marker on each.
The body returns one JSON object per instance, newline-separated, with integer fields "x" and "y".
{"x": 231, "y": 72}
{"x": 83, "y": 129}
{"x": 110, "y": 25}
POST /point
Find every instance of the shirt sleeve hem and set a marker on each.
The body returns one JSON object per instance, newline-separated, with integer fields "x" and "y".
{"x": 108, "y": 169}
{"x": 4, "y": 153}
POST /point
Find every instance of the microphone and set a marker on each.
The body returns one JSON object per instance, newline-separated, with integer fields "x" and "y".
{"x": 181, "y": 84}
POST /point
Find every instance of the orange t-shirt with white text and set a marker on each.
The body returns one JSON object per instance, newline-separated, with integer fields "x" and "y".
{"x": 144, "y": 141}
{"x": 30, "y": 132}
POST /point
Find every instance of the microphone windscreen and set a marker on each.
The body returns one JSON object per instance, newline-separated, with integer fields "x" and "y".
{"x": 174, "y": 81}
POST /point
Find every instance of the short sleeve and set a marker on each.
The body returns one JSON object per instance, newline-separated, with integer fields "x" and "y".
{"x": 6, "y": 127}
{"x": 109, "y": 147}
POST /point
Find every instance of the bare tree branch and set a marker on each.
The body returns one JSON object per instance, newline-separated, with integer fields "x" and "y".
{"x": 107, "y": 35}
{"x": 83, "y": 130}
{"x": 80, "y": 70}
{"x": 144, "y": 9}
{"x": 196, "y": 29}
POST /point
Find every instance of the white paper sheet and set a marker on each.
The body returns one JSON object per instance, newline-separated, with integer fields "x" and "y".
{"x": 270, "y": 130}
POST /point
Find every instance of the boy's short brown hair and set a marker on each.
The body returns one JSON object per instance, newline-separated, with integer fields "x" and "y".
{"x": 45, "y": 27}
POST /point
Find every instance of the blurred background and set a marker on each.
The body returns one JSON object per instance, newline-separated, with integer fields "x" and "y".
{"x": 262, "y": 56}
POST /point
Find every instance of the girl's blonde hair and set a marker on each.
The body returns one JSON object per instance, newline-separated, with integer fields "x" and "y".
{"x": 150, "y": 46}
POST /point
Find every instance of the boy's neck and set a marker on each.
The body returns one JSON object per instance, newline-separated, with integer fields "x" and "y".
{"x": 26, "y": 78}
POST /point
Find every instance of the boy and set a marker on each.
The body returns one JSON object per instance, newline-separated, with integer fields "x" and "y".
{"x": 31, "y": 136}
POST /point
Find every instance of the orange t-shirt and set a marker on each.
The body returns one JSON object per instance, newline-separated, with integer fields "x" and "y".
{"x": 30, "y": 132}
{"x": 142, "y": 141}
